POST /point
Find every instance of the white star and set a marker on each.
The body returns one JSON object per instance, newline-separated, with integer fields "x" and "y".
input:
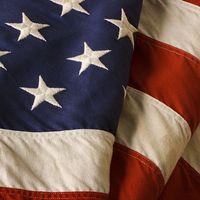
{"x": 68, "y": 5}
{"x": 2, "y": 53}
{"x": 90, "y": 57}
{"x": 27, "y": 27}
{"x": 125, "y": 27}
{"x": 43, "y": 93}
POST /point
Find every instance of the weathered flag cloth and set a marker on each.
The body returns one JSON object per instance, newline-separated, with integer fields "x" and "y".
{"x": 99, "y": 100}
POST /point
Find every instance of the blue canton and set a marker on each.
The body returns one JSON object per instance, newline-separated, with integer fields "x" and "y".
{"x": 63, "y": 69}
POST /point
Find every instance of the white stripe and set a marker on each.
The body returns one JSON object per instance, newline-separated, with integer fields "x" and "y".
{"x": 192, "y": 152}
{"x": 174, "y": 22}
{"x": 153, "y": 129}
{"x": 67, "y": 161}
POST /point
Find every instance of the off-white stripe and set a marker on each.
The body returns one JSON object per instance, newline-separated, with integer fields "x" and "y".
{"x": 174, "y": 22}
{"x": 192, "y": 152}
{"x": 153, "y": 129}
{"x": 76, "y": 160}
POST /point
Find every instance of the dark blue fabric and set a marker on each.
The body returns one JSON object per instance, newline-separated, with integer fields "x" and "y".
{"x": 92, "y": 100}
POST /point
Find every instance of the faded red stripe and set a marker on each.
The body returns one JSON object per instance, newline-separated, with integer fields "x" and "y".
{"x": 169, "y": 75}
{"x": 133, "y": 176}
{"x": 196, "y": 2}
{"x": 17, "y": 194}
{"x": 184, "y": 183}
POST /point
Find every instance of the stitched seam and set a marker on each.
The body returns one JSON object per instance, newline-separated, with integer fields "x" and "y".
{"x": 77, "y": 193}
{"x": 145, "y": 161}
{"x": 184, "y": 163}
{"x": 30, "y": 196}
{"x": 148, "y": 163}
{"x": 192, "y": 2}
{"x": 59, "y": 198}
{"x": 70, "y": 134}
{"x": 185, "y": 5}
{"x": 167, "y": 47}
{"x": 160, "y": 106}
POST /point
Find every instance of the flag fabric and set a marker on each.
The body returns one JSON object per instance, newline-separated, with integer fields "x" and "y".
{"x": 64, "y": 68}
{"x": 99, "y": 99}
{"x": 156, "y": 155}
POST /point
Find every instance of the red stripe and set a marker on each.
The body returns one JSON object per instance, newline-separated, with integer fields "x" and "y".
{"x": 133, "y": 176}
{"x": 184, "y": 183}
{"x": 168, "y": 74}
{"x": 17, "y": 194}
{"x": 196, "y": 2}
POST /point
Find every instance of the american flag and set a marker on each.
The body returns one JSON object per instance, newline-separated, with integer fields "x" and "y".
{"x": 100, "y": 99}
